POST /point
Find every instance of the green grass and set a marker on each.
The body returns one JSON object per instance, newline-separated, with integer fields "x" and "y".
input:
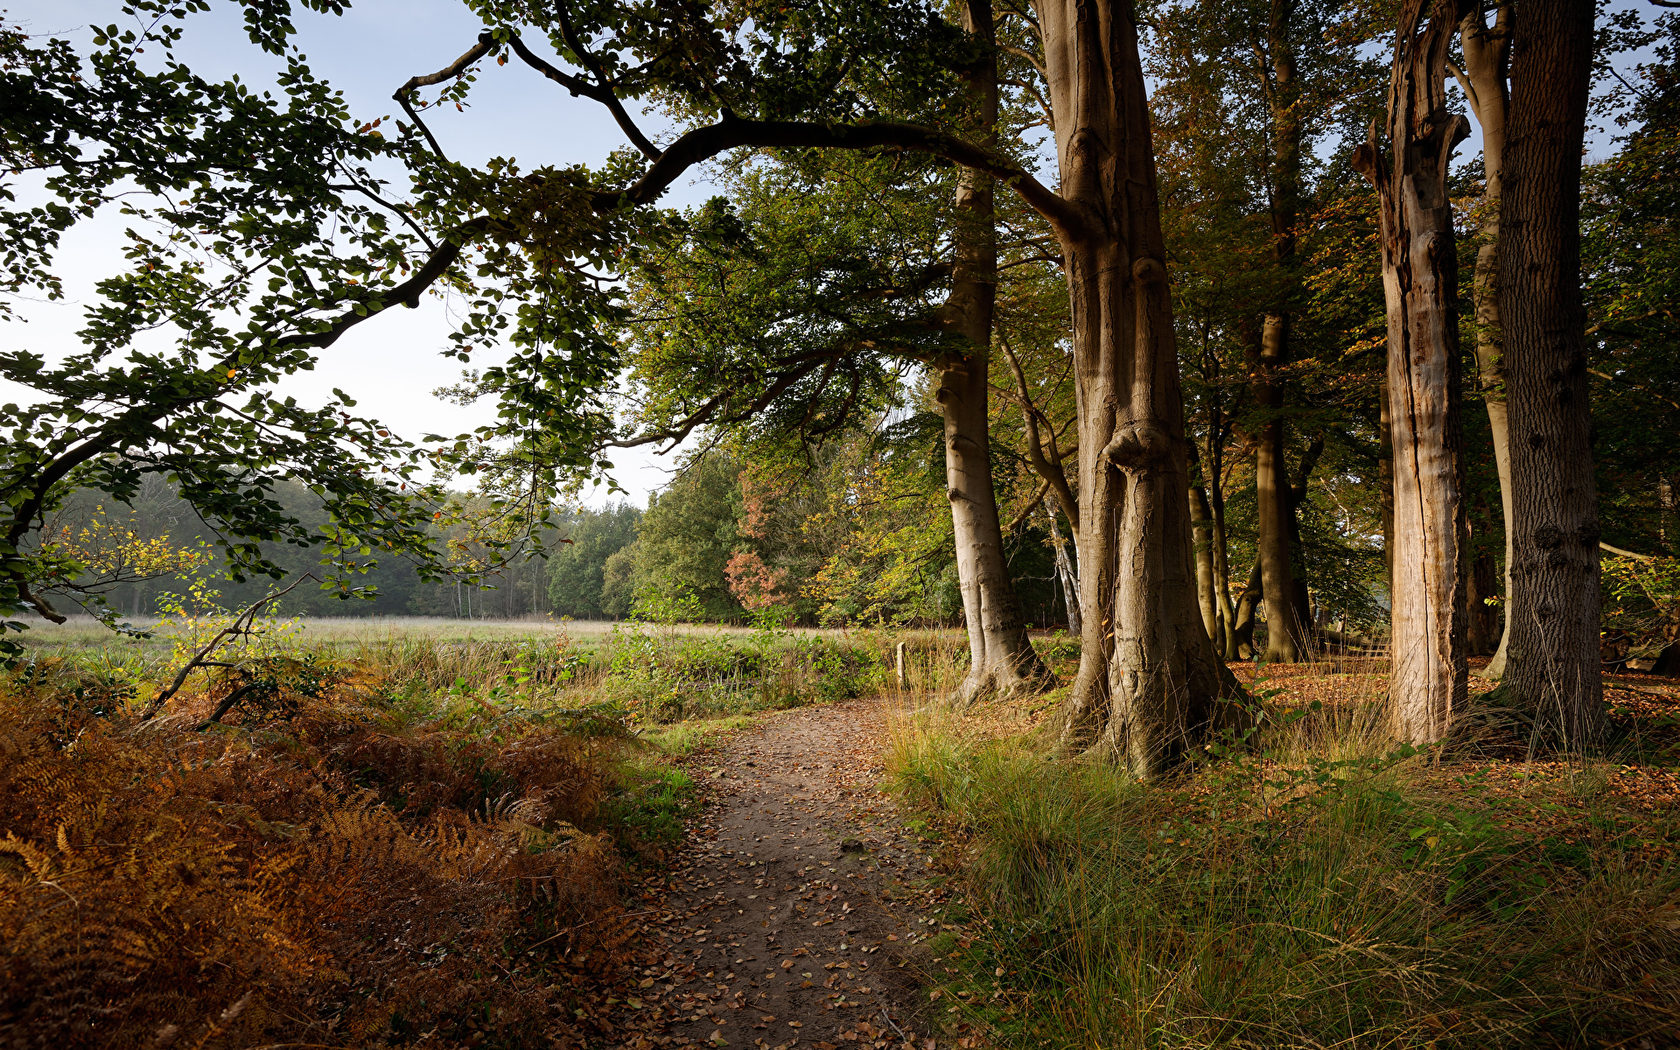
{"x": 650, "y": 801}
{"x": 1338, "y": 903}
{"x": 682, "y": 738}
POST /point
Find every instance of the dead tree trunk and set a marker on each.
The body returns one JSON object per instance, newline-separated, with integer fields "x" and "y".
{"x": 1552, "y": 670}
{"x": 1149, "y": 686}
{"x": 1429, "y": 677}
{"x": 1002, "y": 660}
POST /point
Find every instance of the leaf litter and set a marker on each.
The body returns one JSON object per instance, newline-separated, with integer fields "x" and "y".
{"x": 795, "y": 914}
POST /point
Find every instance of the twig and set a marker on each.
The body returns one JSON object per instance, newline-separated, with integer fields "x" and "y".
{"x": 241, "y": 625}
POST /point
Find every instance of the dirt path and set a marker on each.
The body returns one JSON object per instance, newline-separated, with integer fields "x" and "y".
{"x": 784, "y": 920}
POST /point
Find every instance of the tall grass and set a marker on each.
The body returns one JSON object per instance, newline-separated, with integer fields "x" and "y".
{"x": 1308, "y": 891}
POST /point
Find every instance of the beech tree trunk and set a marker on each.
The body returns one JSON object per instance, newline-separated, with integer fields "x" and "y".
{"x": 1248, "y": 604}
{"x": 1068, "y": 574}
{"x": 1552, "y": 668}
{"x": 1429, "y": 679}
{"x": 1149, "y": 686}
{"x": 1486, "y": 83}
{"x": 1286, "y": 628}
{"x": 1002, "y": 659}
{"x": 1285, "y": 633}
{"x": 1201, "y": 524}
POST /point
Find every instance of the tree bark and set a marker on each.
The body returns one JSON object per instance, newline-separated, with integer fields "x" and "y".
{"x": 1286, "y": 634}
{"x": 1225, "y": 642}
{"x": 1149, "y": 686}
{"x": 1002, "y": 659}
{"x": 1248, "y": 604}
{"x": 1552, "y": 671}
{"x": 1201, "y": 525}
{"x": 1486, "y": 83}
{"x": 1428, "y": 681}
{"x": 1068, "y": 574}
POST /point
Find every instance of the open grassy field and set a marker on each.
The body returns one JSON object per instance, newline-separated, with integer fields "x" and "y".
{"x": 86, "y": 632}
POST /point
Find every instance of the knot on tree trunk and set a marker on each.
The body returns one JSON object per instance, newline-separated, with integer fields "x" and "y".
{"x": 1138, "y": 446}
{"x": 1147, "y": 271}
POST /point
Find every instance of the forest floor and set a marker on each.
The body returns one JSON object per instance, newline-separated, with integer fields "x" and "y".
{"x": 795, "y": 914}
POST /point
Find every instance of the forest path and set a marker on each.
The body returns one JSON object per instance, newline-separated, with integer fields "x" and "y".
{"x": 786, "y": 917}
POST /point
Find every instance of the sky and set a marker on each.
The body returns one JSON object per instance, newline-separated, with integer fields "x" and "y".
{"x": 392, "y": 364}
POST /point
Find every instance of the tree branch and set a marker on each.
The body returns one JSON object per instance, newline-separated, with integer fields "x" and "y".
{"x": 602, "y": 92}
{"x": 449, "y": 72}
{"x": 704, "y": 143}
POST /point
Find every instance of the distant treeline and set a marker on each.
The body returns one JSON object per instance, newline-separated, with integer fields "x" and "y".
{"x": 722, "y": 543}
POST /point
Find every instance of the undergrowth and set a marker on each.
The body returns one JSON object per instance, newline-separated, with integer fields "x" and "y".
{"x": 1306, "y": 890}
{"x": 345, "y": 868}
{"x": 406, "y": 842}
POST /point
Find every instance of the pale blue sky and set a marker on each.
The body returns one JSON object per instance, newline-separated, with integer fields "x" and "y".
{"x": 390, "y": 365}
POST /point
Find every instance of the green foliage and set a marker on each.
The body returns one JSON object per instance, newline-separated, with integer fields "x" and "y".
{"x": 577, "y": 576}
{"x": 1641, "y": 610}
{"x": 250, "y": 247}
{"x": 683, "y": 542}
{"x": 1630, "y": 253}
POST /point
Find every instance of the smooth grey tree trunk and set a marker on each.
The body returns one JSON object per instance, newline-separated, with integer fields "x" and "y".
{"x": 1002, "y": 659}
{"x": 1485, "y": 80}
{"x": 1552, "y": 671}
{"x": 1207, "y": 596}
{"x": 1149, "y": 687}
{"x": 1428, "y": 680}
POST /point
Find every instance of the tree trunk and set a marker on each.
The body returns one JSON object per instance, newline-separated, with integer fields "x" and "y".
{"x": 1286, "y": 634}
{"x": 1002, "y": 660}
{"x": 1225, "y": 643}
{"x": 1248, "y": 603}
{"x": 1428, "y": 681}
{"x": 1485, "y": 80}
{"x": 1201, "y": 525}
{"x": 1068, "y": 574}
{"x": 1552, "y": 670}
{"x": 1298, "y": 549}
{"x": 1149, "y": 686}
{"x": 1385, "y": 481}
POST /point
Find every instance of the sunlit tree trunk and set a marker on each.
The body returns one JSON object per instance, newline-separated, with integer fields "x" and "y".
{"x": 1002, "y": 660}
{"x": 1066, "y": 572}
{"x": 1428, "y": 681}
{"x": 1149, "y": 685}
{"x": 1201, "y": 523}
{"x": 1485, "y": 80}
{"x": 1552, "y": 670}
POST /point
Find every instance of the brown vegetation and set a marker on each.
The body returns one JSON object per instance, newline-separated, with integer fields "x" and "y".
{"x": 338, "y": 873}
